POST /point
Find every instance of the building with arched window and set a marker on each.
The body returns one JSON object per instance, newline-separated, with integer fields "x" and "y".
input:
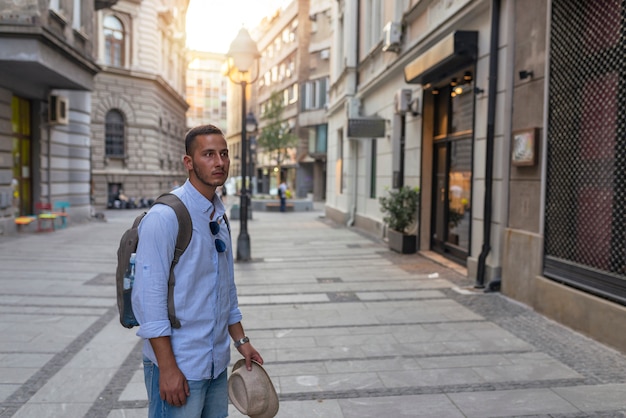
{"x": 138, "y": 105}
{"x": 47, "y": 75}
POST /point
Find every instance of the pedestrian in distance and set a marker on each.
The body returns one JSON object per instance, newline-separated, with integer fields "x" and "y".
{"x": 282, "y": 194}
{"x": 185, "y": 368}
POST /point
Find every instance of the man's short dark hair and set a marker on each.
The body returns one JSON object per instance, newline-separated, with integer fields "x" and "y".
{"x": 200, "y": 130}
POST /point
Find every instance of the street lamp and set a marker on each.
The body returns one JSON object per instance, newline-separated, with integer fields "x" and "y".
{"x": 251, "y": 127}
{"x": 242, "y": 54}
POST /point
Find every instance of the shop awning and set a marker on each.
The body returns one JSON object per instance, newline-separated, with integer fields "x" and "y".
{"x": 443, "y": 59}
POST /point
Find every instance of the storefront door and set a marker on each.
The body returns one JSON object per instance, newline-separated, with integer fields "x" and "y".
{"x": 451, "y": 206}
{"x": 452, "y": 167}
{"x": 21, "y": 182}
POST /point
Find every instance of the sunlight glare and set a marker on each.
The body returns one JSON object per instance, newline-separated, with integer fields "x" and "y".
{"x": 212, "y": 25}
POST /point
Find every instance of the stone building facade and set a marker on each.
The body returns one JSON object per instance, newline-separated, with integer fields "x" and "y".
{"x": 47, "y": 71}
{"x": 138, "y": 106}
{"x": 508, "y": 117}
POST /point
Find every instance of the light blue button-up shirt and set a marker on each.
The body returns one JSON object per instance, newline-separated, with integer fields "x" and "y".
{"x": 205, "y": 296}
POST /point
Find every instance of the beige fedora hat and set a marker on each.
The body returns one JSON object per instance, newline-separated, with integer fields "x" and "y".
{"x": 252, "y": 392}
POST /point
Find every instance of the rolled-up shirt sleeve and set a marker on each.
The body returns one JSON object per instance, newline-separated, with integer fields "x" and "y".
{"x": 155, "y": 251}
{"x": 234, "y": 315}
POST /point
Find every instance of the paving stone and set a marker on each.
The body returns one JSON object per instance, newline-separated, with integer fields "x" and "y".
{"x": 511, "y": 403}
{"x": 387, "y": 336}
{"x": 416, "y": 406}
{"x": 595, "y": 398}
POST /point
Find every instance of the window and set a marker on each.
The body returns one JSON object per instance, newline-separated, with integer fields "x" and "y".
{"x": 317, "y": 139}
{"x": 292, "y": 95}
{"x": 114, "y": 134}
{"x": 373, "y": 15}
{"x": 294, "y": 31}
{"x": 315, "y": 94}
{"x": 113, "y": 41}
{"x": 76, "y": 15}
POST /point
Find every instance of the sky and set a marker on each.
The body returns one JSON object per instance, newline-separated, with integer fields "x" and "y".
{"x": 213, "y": 24}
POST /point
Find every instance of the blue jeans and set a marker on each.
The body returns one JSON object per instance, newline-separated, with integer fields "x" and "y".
{"x": 208, "y": 398}
{"x": 283, "y": 201}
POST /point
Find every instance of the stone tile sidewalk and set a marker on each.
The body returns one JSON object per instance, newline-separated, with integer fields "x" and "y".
{"x": 347, "y": 329}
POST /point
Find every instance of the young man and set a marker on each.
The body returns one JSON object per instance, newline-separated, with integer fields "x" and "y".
{"x": 282, "y": 193}
{"x": 185, "y": 368}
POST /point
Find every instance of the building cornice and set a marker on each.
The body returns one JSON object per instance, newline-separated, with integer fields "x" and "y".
{"x": 157, "y": 79}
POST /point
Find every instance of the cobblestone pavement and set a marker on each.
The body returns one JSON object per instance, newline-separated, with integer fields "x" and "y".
{"x": 347, "y": 329}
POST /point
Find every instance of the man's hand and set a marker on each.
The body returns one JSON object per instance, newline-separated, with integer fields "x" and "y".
{"x": 250, "y": 353}
{"x": 246, "y": 350}
{"x": 173, "y": 386}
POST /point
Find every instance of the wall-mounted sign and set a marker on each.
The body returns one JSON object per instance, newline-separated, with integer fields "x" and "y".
{"x": 524, "y": 147}
{"x": 372, "y": 127}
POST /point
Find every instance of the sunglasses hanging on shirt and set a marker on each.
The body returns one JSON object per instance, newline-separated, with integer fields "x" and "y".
{"x": 220, "y": 245}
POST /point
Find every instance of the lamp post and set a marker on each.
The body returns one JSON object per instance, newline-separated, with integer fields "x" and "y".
{"x": 242, "y": 54}
{"x": 251, "y": 128}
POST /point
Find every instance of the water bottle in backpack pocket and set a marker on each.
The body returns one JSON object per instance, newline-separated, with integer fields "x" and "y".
{"x": 128, "y": 317}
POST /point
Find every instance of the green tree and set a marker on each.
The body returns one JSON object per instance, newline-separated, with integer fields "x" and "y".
{"x": 275, "y": 136}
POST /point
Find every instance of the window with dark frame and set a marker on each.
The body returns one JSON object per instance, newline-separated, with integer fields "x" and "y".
{"x": 114, "y": 134}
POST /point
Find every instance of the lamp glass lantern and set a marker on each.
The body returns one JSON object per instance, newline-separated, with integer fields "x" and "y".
{"x": 243, "y": 51}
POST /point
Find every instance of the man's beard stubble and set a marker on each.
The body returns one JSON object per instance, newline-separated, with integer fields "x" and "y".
{"x": 206, "y": 182}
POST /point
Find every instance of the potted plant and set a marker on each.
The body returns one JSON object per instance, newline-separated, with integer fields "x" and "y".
{"x": 399, "y": 209}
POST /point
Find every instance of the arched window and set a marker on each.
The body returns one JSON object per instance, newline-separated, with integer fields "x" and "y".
{"x": 113, "y": 41}
{"x": 114, "y": 134}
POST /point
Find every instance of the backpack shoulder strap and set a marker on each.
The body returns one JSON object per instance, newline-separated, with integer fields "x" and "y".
{"x": 185, "y": 229}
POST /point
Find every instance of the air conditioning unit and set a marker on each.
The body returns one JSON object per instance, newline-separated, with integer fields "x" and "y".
{"x": 402, "y": 101}
{"x": 325, "y": 54}
{"x": 392, "y": 36}
{"x": 58, "y": 110}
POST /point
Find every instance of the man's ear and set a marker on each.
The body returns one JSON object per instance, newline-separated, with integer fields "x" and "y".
{"x": 188, "y": 162}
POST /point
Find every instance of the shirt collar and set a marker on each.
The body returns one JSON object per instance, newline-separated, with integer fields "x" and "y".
{"x": 202, "y": 202}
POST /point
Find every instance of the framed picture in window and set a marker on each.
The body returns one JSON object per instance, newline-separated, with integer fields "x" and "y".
{"x": 524, "y": 147}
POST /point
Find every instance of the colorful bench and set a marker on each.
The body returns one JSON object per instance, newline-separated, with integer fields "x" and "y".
{"x": 45, "y": 217}
{"x": 60, "y": 210}
{"x": 20, "y": 221}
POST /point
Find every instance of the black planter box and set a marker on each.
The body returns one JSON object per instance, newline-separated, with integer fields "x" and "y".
{"x": 402, "y": 243}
